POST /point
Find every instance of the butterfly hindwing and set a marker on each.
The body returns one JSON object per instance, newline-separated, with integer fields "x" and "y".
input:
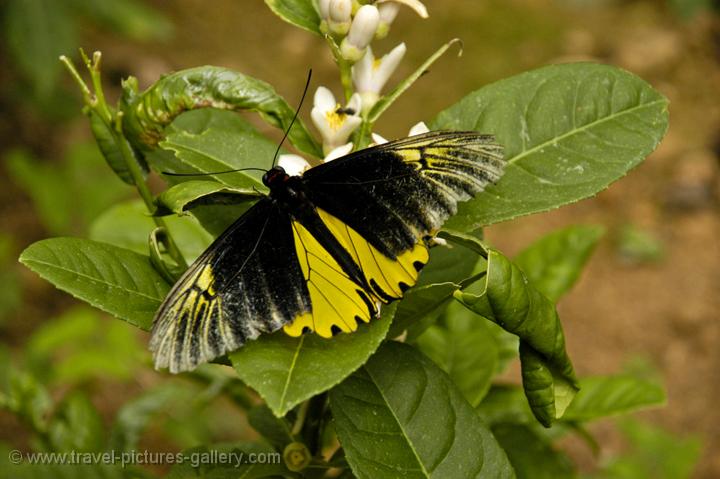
{"x": 246, "y": 283}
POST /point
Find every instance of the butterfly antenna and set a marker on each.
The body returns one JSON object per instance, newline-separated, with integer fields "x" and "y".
{"x": 297, "y": 112}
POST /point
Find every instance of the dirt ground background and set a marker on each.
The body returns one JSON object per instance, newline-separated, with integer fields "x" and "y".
{"x": 664, "y": 310}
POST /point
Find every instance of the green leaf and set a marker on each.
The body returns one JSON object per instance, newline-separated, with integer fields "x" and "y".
{"x": 655, "y": 453}
{"x": 286, "y": 371}
{"x": 602, "y": 396}
{"x": 135, "y": 415}
{"x": 300, "y": 13}
{"x": 448, "y": 267}
{"x": 464, "y": 348}
{"x": 147, "y": 114}
{"x": 109, "y": 147}
{"x": 185, "y": 196}
{"x": 128, "y": 225}
{"x": 67, "y": 196}
{"x": 400, "y": 415}
{"x": 116, "y": 280}
{"x": 568, "y": 132}
{"x": 554, "y": 263}
{"x": 27, "y": 398}
{"x": 130, "y": 18}
{"x": 510, "y": 301}
{"x": 231, "y": 461}
{"x": 549, "y": 391}
{"x": 76, "y": 426}
{"x": 209, "y": 140}
{"x": 636, "y": 245}
{"x": 420, "y": 307}
{"x": 505, "y": 404}
{"x": 81, "y": 345}
{"x": 275, "y": 430}
{"x": 37, "y": 32}
{"x": 531, "y": 455}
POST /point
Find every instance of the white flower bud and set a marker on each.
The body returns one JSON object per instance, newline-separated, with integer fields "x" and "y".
{"x": 362, "y": 31}
{"x": 388, "y": 12}
{"x": 324, "y": 7}
{"x": 339, "y": 21}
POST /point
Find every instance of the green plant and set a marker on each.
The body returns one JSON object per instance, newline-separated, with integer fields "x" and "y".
{"x": 363, "y": 404}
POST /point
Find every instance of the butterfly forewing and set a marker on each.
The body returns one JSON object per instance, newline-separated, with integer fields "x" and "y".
{"x": 395, "y": 193}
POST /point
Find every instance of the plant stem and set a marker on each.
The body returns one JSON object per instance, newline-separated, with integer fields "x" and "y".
{"x": 346, "y": 78}
{"x": 96, "y": 101}
{"x": 144, "y": 191}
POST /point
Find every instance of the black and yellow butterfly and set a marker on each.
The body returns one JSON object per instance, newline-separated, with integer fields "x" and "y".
{"x": 323, "y": 250}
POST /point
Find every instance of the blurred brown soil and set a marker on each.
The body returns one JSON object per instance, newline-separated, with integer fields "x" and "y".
{"x": 664, "y": 311}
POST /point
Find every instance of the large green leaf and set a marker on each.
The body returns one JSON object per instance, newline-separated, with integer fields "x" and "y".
{"x": 510, "y": 301}
{"x": 401, "y": 416}
{"x": 128, "y": 225}
{"x": 568, "y": 132}
{"x": 554, "y": 263}
{"x": 286, "y": 371}
{"x": 602, "y": 396}
{"x": 146, "y": 114}
{"x": 464, "y": 348}
{"x": 531, "y": 455}
{"x": 300, "y": 13}
{"x": 116, "y": 280}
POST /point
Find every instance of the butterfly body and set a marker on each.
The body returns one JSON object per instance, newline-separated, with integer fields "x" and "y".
{"x": 323, "y": 250}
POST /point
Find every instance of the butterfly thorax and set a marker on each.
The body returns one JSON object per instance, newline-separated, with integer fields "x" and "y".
{"x": 286, "y": 191}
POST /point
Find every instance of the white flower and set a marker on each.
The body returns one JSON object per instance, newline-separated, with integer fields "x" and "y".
{"x": 338, "y": 152}
{"x": 362, "y": 31}
{"x": 416, "y": 5}
{"x": 370, "y": 74}
{"x": 417, "y": 129}
{"x": 335, "y": 123}
{"x": 293, "y": 165}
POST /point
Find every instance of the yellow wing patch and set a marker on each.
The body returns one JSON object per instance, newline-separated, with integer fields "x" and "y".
{"x": 388, "y": 277}
{"x": 338, "y": 303}
{"x": 336, "y": 299}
